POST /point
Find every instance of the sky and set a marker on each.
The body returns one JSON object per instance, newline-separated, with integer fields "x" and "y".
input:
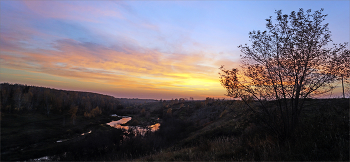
{"x": 138, "y": 49}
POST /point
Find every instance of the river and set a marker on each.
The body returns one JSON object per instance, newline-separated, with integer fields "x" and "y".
{"x": 115, "y": 124}
{"x": 125, "y": 119}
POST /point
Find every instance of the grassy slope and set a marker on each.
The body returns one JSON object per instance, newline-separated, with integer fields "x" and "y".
{"x": 323, "y": 134}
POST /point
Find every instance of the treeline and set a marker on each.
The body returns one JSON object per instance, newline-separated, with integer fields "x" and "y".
{"x": 17, "y": 98}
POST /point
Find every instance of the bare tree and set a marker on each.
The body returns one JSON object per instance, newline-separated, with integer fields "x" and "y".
{"x": 283, "y": 66}
{"x": 343, "y": 66}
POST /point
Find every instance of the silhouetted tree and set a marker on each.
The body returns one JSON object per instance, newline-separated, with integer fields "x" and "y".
{"x": 28, "y": 100}
{"x": 48, "y": 101}
{"x": 17, "y": 98}
{"x": 343, "y": 66}
{"x": 4, "y": 97}
{"x": 73, "y": 112}
{"x": 284, "y": 65}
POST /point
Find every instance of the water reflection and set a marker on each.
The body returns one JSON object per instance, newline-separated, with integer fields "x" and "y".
{"x": 45, "y": 158}
{"x": 125, "y": 119}
{"x": 86, "y": 133}
{"x": 63, "y": 140}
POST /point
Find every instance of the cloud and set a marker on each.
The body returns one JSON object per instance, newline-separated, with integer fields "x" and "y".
{"x": 98, "y": 63}
{"x": 57, "y": 39}
{"x": 45, "y": 80}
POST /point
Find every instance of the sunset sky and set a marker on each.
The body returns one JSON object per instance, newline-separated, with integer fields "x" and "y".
{"x": 138, "y": 49}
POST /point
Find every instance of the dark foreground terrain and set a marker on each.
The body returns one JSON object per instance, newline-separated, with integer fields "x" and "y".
{"x": 190, "y": 130}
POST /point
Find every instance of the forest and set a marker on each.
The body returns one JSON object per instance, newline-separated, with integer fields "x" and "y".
{"x": 16, "y": 98}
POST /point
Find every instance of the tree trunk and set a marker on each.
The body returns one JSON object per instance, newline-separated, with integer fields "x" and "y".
{"x": 342, "y": 83}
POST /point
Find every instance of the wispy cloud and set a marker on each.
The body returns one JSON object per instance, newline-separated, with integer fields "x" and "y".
{"x": 45, "y": 80}
{"x": 100, "y": 63}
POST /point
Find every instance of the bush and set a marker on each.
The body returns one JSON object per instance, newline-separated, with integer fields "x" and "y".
{"x": 93, "y": 145}
{"x": 94, "y": 112}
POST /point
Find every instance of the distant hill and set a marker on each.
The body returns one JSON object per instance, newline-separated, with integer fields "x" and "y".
{"x": 17, "y": 98}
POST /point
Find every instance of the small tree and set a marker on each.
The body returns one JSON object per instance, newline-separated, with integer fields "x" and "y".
{"x": 73, "y": 112}
{"x": 284, "y": 65}
{"x": 48, "y": 100}
{"x": 18, "y": 98}
{"x": 169, "y": 112}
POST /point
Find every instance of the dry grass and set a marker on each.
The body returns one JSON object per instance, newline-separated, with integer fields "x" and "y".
{"x": 323, "y": 134}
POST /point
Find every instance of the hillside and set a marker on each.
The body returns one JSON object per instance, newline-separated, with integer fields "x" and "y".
{"x": 33, "y": 119}
{"x": 231, "y": 132}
